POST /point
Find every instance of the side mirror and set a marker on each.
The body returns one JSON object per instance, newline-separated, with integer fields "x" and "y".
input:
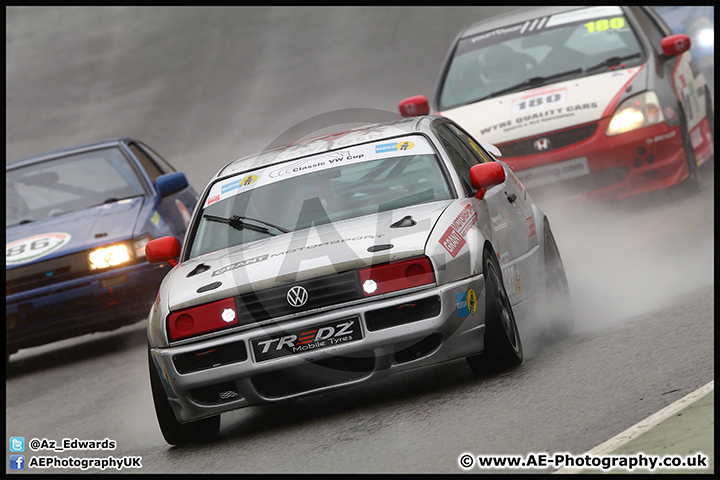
{"x": 164, "y": 249}
{"x": 491, "y": 148}
{"x": 414, "y": 106}
{"x": 673, "y": 45}
{"x": 486, "y": 175}
{"x": 170, "y": 183}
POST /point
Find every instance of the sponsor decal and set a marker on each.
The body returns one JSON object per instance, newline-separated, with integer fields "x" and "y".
{"x": 660, "y": 138}
{"x": 32, "y": 248}
{"x": 393, "y": 147}
{"x": 539, "y": 99}
{"x": 531, "y": 226}
{"x": 303, "y": 340}
{"x": 498, "y": 222}
{"x": 235, "y": 184}
{"x": 240, "y": 264}
{"x": 322, "y": 161}
{"x": 526, "y": 119}
{"x": 670, "y": 113}
{"x": 331, "y": 242}
{"x": 696, "y": 138}
{"x": 554, "y": 172}
{"x": 466, "y": 303}
{"x": 454, "y": 237}
{"x": 213, "y": 199}
{"x": 156, "y": 218}
{"x": 511, "y": 280}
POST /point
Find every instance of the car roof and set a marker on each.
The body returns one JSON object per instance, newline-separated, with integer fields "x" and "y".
{"x": 329, "y": 142}
{"x": 512, "y": 18}
{"x": 111, "y": 142}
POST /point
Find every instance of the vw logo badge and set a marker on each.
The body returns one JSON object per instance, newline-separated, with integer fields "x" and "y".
{"x": 297, "y": 296}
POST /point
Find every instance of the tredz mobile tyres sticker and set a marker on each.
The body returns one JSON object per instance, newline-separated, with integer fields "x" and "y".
{"x": 307, "y": 339}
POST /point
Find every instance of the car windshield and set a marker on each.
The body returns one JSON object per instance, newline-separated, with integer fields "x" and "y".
{"x": 320, "y": 189}
{"x": 68, "y": 184}
{"x": 538, "y": 52}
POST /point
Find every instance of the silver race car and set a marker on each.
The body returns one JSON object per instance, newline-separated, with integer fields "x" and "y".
{"x": 344, "y": 259}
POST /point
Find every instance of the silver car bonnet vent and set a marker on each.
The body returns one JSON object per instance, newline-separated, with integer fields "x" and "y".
{"x": 199, "y": 269}
{"x": 380, "y": 248}
{"x": 406, "y": 221}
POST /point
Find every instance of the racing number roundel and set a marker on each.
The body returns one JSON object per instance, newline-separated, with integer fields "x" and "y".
{"x": 31, "y": 248}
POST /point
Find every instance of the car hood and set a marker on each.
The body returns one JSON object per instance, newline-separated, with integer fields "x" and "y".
{"x": 548, "y": 108}
{"x": 304, "y": 254}
{"x": 72, "y": 232}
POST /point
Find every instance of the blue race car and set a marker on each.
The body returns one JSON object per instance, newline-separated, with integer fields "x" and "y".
{"x": 77, "y": 222}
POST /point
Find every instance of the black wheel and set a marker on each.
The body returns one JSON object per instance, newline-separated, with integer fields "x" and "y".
{"x": 175, "y": 433}
{"x": 503, "y": 348}
{"x": 558, "y": 303}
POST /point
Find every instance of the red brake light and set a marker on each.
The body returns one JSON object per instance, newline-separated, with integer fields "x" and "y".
{"x": 392, "y": 277}
{"x": 202, "y": 319}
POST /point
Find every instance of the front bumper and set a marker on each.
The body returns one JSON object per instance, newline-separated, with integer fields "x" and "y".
{"x": 232, "y": 377}
{"x": 616, "y": 167}
{"x": 103, "y": 301}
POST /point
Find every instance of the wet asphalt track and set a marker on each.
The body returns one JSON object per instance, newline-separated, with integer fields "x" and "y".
{"x": 205, "y": 86}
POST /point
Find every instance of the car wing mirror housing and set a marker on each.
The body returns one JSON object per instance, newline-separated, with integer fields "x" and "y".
{"x": 170, "y": 183}
{"x": 673, "y": 45}
{"x": 414, "y": 106}
{"x": 164, "y": 249}
{"x": 486, "y": 175}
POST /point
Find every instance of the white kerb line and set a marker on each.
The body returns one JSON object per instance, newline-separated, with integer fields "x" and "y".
{"x": 643, "y": 426}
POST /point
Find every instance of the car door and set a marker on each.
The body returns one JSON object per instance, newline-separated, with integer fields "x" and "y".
{"x": 507, "y": 220}
{"x": 510, "y": 212}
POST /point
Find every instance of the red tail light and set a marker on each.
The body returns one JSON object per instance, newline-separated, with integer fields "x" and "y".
{"x": 202, "y": 319}
{"x": 392, "y": 277}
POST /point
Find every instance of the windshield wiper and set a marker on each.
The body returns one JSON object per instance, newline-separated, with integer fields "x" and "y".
{"x": 532, "y": 82}
{"x": 612, "y": 61}
{"x": 240, "y": 223}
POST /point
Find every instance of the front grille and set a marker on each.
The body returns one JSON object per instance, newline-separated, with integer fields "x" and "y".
{"x": 404, "y": 313}
{"x": 212, "y": 357}
{"x": 555, "y": 140}
{"x": 49, "y": 272}
{"x": 312, "y": 376}
{"x": 322, "y": 292}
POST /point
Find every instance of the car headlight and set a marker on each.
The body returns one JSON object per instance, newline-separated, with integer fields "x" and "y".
{"x": 139, "y": 246}
{"x": 636, "y": 112}
{"x": 119, "y": 253}
{"x": 109, "y": 256}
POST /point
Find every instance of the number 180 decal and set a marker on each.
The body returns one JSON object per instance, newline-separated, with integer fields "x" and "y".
{"x": 32, "y": 248}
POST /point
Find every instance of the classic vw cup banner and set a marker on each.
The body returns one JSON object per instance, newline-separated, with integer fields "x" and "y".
{"x": 410, "y": 145}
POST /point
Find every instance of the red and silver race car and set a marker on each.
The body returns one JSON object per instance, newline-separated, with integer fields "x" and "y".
{"x": 604, "y": 102}
{"x": 344, "y": 259}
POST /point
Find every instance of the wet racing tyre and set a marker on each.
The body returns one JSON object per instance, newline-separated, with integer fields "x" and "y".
{"x": 175, "y": 433}
{"x": 503, "y": 348}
